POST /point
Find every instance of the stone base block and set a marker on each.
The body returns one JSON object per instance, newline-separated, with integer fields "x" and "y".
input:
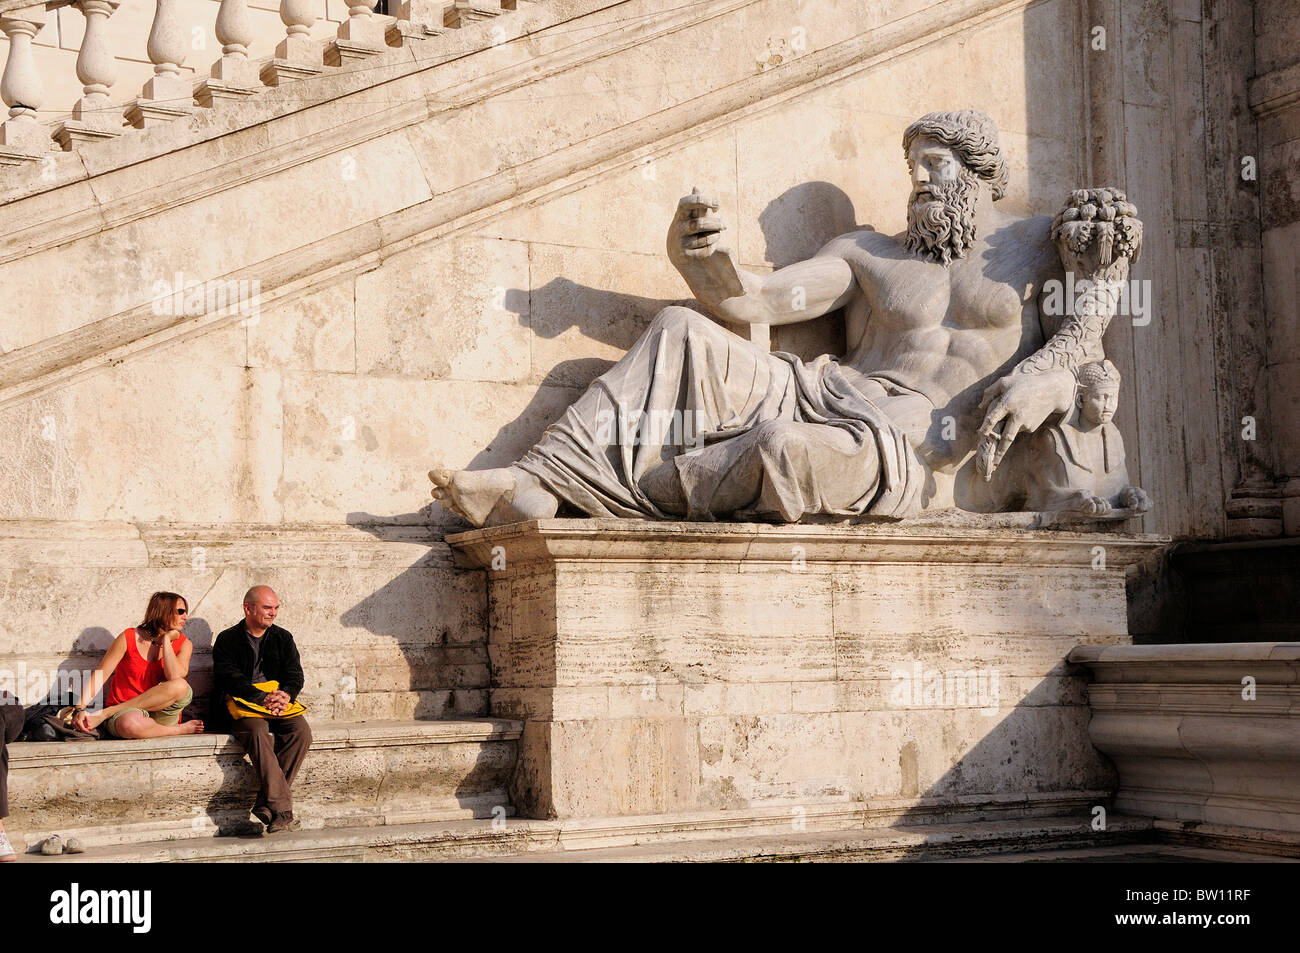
{"x": 145, "y": 113}
{"x": 462, "y": 14}
{"x": 73, "y": 133}
{"x": 1201, "y": 734}
{"x": 278, "y": 71}
{"x": 210, "y": 92}
{"x": 670, "y": 667}
{"x": 401, "y": 31}
{"x": 342, "y": 52}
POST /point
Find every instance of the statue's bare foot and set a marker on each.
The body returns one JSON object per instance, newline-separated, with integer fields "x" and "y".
{"x": 493, "y": 497}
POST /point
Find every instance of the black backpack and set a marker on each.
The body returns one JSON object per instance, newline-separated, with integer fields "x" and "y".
{"x": 42, "y": 723}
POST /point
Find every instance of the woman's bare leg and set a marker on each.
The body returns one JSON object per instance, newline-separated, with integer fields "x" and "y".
{"x": 157, "y": 698}
{"x": 133, "y": 724}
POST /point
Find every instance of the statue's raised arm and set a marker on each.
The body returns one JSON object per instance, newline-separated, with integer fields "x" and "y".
{"x": 798, "y": 292}
{"x": 1098, "y": 236}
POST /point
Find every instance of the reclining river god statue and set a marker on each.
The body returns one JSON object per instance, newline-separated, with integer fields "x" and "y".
{"x": 958, "y": 342}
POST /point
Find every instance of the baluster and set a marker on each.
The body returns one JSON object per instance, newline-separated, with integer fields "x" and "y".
{"x": 359, "y": 36}
{"x": 93, "y": 116}
{"x": 298, "y": 55}
{"x": 22, "y": 138}
{"x": 232, "y": 76}
{"x": 168, "y": 94}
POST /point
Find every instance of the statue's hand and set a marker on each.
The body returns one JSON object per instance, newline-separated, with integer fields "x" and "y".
{"x": 1020, "y": 402}
{"x": 695, "y": 230}
{"x": 1135, "y": 498}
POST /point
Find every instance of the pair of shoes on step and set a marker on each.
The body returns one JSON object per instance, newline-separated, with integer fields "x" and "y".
{"x": 54, "y": 845}
{"x": 276, "y": 821}
{"x": 7, "y": 855}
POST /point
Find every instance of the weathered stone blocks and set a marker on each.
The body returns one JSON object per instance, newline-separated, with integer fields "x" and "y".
{"x": 668, "y": 667}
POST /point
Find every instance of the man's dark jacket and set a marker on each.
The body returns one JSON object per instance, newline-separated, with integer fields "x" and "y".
{"x": 232, "y": 667}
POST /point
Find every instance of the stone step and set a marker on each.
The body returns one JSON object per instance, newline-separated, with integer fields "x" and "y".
{"x": 357, "y": 775}
{"x": 534, "y": 841}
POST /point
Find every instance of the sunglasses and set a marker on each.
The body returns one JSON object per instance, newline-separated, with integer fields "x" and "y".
{"x": 182, "y": 611}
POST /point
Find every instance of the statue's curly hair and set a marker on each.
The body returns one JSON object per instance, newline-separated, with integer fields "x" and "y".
{"x": 973, "y": 136}
{"x": 1096, "y": 374}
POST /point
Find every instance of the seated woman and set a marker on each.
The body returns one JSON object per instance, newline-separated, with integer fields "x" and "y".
{"x": 147, "y": 665}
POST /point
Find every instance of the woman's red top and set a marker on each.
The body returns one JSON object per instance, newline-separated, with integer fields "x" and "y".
{"x": 135, "y": 675}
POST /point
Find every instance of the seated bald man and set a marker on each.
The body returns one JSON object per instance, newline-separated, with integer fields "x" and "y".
{"x": 254, "y": 651}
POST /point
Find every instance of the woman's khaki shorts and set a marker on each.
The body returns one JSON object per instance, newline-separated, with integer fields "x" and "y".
{"x": 169, "y": 716}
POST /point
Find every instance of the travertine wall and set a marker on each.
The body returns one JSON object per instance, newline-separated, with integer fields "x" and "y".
{"x": 449, "y": 253}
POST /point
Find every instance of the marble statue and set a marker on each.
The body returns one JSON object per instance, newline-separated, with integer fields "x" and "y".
{"x": 1077, "y": 464}
{"x": 953, "y": 352}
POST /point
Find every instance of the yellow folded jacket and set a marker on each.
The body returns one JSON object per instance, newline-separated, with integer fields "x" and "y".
{"x": 242, "y": 708}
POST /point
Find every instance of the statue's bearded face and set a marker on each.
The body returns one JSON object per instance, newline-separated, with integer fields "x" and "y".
{"x": 941, "y": 208}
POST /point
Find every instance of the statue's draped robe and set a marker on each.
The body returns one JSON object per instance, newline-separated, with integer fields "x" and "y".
{"x": 748, "y": 434}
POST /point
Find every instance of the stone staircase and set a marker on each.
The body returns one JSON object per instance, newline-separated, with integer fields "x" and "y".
{"x": 697, "y": 839}
{"x": 177, "y": 795}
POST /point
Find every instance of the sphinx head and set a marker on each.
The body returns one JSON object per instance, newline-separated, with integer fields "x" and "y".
{"x": 949, "y": 154}
{"x": 1098, "y": 392}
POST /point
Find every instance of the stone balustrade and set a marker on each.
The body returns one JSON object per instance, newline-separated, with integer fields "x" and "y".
{"x": 169, "y": 94}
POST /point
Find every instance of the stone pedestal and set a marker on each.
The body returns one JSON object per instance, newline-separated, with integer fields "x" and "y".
{"x": 462, "y": 14}
{"x": 915, "y": 670}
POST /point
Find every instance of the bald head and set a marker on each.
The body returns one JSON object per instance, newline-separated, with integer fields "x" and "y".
{"x": 261, "y": 606}
{"x": 253, "y": 596}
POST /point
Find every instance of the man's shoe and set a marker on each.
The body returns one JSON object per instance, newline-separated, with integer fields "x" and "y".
{"x": 283, "y": 821}
{"x": 263, "y": 814}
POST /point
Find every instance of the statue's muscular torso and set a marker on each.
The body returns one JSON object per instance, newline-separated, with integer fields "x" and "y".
{"x": 946, "y": 332}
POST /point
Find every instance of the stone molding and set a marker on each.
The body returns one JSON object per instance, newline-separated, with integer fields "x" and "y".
{"x": 1192, "y": 741}
{"x": 927, "y": 540}
{"x": 26, "y": 544}
{"x": 1275, "y": 92}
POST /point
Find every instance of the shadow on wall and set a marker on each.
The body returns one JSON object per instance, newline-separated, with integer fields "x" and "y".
{"x": 1034, "y": 758}
{"x": 612, "y": 318}
{"x": 795, "y": 226}
{"x": 77, "y": 667}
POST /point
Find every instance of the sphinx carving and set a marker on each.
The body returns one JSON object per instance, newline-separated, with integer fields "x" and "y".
{"x": 956, "y": 347}
{"x": 1077, "y": 465}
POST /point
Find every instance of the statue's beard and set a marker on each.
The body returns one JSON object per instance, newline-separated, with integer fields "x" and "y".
{"x": 942, "y": 226}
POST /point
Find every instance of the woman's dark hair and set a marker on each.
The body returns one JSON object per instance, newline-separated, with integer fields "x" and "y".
{"x": 158, "y": 615}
